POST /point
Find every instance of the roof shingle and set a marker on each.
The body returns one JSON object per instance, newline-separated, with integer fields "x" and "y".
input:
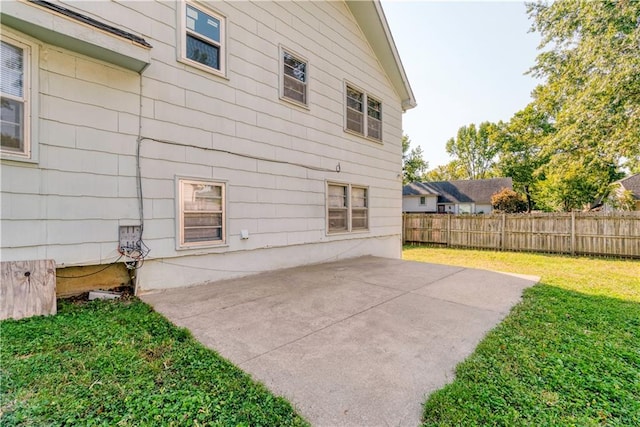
{"x": 459, "y": 191}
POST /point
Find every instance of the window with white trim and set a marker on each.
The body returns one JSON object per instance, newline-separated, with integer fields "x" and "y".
{"x": 202, "y": 212}
{"x": 369, "y": 124}
{"x": 347, "y": 208}
{"x": 203, "y": 38}
{"x": 16, "y": 98}
{"x": 294, "y": 71}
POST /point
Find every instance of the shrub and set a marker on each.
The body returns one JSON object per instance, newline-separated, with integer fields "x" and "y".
{"x": 508, "y": 201}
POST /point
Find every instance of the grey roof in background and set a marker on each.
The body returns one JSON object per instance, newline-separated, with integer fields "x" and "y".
{"x": 419, "y": 189}
{"x": 632, "y": 183}
{"x": 459, "y": 191}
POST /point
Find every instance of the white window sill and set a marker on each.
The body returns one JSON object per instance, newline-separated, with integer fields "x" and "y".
{"x": 202, "y": 67}
{"x": 18, "y": 158}
{"x": 295, "y": 103}
{"x": 346, "y": 233}
{"x": 204, "y": 249}
{"x": 363, "y": 136}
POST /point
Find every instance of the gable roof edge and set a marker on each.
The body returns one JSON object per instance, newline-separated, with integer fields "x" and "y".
{"x": 372, "y": 21}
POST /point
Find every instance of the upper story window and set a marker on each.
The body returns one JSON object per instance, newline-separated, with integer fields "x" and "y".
{"x": 17, "y": 138}
{"x": 202, "y": 213}
{"x": 294, "y": 70}
{"x": 374, "y": 118}
{"x": 203, "y": 38}
{"x": 366, "y": 123}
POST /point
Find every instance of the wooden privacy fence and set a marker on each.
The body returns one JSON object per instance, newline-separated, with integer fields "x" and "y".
{"x": 605, "y": 234}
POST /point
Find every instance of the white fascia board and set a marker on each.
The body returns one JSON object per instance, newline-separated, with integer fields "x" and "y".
{"x": 373, "y": 23}
{"x": 59, "y": 30}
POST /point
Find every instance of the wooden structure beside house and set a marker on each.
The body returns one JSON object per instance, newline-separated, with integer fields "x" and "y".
{"x": 208, "y": 139}
{"x": 452, "y": 197}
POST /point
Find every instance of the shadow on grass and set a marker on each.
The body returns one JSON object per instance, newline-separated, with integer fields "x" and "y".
{"x": 560, "y": 358}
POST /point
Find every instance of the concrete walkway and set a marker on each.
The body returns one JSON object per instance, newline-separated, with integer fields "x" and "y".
{"x": 359, "y": 342}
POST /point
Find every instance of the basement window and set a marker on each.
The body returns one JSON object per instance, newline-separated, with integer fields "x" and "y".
{"x": 347, "y": 208}
{"x": 202, "y": 213}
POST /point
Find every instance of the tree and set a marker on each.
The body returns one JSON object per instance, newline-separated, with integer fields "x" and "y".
{"x": 592, "y": 69}
{"x": 449, "y": 172}
{"x": 413, "y": 165}
{"x": 508, "y": 201}
{"x": 520, "y": 143}
{"x": 571, "y": 188}
{"x": 474, "y": 149}
{"x": 619, "y": 199}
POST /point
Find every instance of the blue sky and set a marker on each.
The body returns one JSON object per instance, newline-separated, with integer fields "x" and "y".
{"x": 465, "y": 61}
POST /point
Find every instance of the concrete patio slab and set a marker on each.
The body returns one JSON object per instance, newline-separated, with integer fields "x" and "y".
{"x": 359, "y": 342}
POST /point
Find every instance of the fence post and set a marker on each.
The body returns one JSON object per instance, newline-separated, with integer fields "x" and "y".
{"x": 573, "y": 233}
{"x": 503, "y": 232}
{"x": 448, "y": 229}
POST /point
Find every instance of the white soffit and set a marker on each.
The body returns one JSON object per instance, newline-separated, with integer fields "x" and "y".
{"x": 370, "y": 17}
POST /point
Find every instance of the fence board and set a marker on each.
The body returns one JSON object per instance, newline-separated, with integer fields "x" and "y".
{"x": 604, "y": 234}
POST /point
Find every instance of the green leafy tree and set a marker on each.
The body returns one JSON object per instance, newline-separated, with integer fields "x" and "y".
{"x": 475, "y": 149}
{"x": 451, "y": 171}
{"x": 620, "y": 199}
{"x": 508, "y": 201}
{"x": 413, "y": 164}
{"x": 591, "y": 64}
{"x": 520, "y": 143}
{"x": 571, "y": 188}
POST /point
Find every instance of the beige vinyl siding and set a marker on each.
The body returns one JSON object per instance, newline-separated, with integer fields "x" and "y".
{"x": 89, "y": 124}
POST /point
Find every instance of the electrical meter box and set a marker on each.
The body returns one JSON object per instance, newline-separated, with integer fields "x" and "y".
{"x": 130, "y": 236}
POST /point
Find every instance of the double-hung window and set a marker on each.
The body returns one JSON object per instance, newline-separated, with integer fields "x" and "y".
{"x": 202, "y": 212}
{"x": 203, "y": 38}
{"x": 294, "y": 78}
{"x": 16, "y": 98}
{"x": 347, "y": 208}
{"x": 363, "y": 113}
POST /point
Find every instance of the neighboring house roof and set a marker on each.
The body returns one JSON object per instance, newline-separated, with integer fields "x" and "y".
{"x": 370, "y": 17}
{"x": 631, "y": 183}
{"x": 419, "y": 189}
{"x": 459, "y": 191}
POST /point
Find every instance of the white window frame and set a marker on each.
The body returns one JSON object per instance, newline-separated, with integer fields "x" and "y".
{"x": 180, "y": 213}
{"x": 283, "y": 76}
{"x": 423, "y": 200}
{"x": 348, "y": 208}
{"x": 366, "y": 116}
{"x": 29, "y": 98}
{"x": 184, "y": 30}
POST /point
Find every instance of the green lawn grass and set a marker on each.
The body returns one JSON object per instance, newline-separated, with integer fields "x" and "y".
{"x": 120, "y": 363}
{"x": 568, "y": 355}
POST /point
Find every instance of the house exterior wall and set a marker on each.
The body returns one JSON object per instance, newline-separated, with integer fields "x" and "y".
{"x": 467, "y": 208}
{"x": 69, "y": 204}
{"x": 484, "y": 208}
{"x": 412, "y": 204}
